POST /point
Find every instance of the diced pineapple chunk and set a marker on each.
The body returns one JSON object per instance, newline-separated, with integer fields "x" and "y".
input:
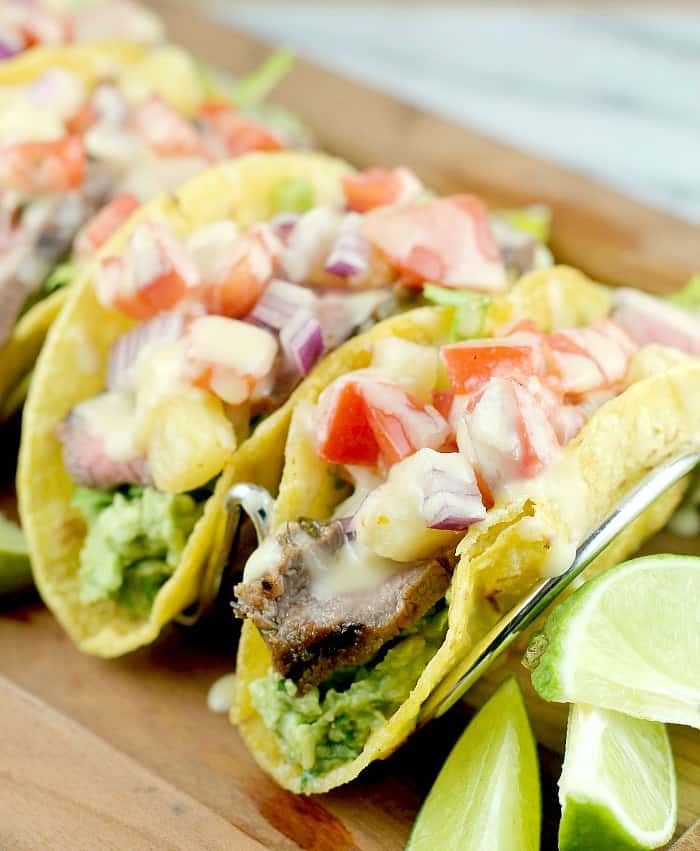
{"x": 190, "y": 440}
{"x": 413, "y": 366}
{"x": 389, "y": 521}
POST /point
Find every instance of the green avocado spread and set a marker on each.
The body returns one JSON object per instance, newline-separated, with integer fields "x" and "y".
{"x": 135, "y": 539}
{"x": 330, "y": 724}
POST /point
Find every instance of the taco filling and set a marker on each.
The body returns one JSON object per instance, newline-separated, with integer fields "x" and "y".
{"x": 230, "y": 322}
{"x": 27, "y": 25}
{"x": 135, "y": 539}
{"x": 426, "y": 440}
{"x": 77, "y": 160}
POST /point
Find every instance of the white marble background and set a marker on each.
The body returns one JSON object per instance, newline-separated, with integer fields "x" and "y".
{"x": 614, "y": 93}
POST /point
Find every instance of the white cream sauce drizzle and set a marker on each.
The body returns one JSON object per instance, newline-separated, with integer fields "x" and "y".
{"x": 221, "y": 692}
{"x": 351, "y": 568}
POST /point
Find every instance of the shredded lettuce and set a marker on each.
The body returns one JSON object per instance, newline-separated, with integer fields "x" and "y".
{"x": 293, "y": 194}
{"x": 255, "y": 87}
{"x": 535, "y": 220}
{"x": 689, "y": 296}
{"x": 59, "y": 277}
{"x": 249, "y": 91}
{"x": 470, "y": 310}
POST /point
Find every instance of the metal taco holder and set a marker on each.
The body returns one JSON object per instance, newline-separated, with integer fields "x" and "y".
{"x": 257, "y": 504}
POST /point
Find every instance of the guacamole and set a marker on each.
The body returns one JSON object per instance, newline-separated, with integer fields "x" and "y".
{"x": 331, "y": 723}
{"x": 134, "y": 542}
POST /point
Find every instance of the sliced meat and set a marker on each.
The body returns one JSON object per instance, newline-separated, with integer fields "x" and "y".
{"x": 90, "y": 459}
{"x": 15, "y": 289}
{"x": 12, "y": 297}
{"x": 41, "y": 240}
{"x": 311, "y": 638}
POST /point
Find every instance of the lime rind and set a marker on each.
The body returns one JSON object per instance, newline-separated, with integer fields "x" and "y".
{"x": 618, "y": 783}
{"x": 488, "y": 791}
{"x": 628, "y": 640}
{"x": 586, "y": 826}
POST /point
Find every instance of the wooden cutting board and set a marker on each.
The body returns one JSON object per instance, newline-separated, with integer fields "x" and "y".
{"x": 124, "y": 753}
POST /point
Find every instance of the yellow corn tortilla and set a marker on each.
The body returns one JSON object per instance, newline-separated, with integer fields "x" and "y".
{"x": 655, "y": 418}
{"x": 72, "y": 368}
{"x": 164, "y": 70}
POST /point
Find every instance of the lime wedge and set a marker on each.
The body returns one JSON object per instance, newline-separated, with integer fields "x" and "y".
{"x": 628, "y": 640}
{"x": 487, "y": 794}
{"x": 15, "y": 572}
{"x": 618, "y": 785}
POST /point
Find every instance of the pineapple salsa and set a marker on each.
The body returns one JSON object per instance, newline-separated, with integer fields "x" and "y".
{"x": 227, "y": 323}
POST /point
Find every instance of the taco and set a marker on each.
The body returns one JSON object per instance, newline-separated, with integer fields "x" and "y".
{"x": 26, "y": 26}
{"x": 195, "y": 324}
{"x": 424, "y": 492}
{"x": 86, "y": 134}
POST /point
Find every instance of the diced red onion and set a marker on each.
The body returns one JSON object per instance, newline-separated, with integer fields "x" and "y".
{"x": 341, "y": 314}
{"x": 349, "y": 256}
{"x": 10, "y": 46}
{"x": 110, "y": 105}
{"x": 283, "y": 224}
{"x": 451, "y": 501}
{"x": 302, "y": 340}
{"x": 164, "y": 328}
{"x": 280, "y": 302}
{"x": 311, "y": 238}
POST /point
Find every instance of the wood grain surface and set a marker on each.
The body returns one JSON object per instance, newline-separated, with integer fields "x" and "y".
{"x": 75, "y": 791}
{"x": 142, "y": 721}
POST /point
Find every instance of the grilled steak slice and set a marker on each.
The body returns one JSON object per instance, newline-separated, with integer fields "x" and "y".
{"x": 87, "y": 459}
{"x": 310, "y": 638}
{"x": 12, "y": 298}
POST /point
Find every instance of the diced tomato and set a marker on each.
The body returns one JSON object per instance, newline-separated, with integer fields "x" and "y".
{"x": 471, "y": 364}
{"x": 447, "y": 241}
{"x": 398, "y": 424}
{"x": 510, "y": 436}
{"x": 376, "y": 187}
{"x": 442, "y": 402}
{"x": 538, "y": 440}
{"x": 162, "y": 293}
{"x": 379, "y": 187}
{"x": 164, "y": 130}
{"x": 43, "y": 167}
{"x": 618, "y": 334}
{"x": 235, "y": 268}
{"x": 577, "y": 373}
{"x": 346, "y": 435}
{"x": 99, "y": 229}
{"x": 401, "y": 424}
{"x": 238, "y": 133}
{"x": 82, "y": 120}
{"x": 485, "y": 490}
{"x": 593, "y": 358}
{"x": 36, "y": 25}
{"x": 154, "y": 274}
{"x": 390, "y": 433}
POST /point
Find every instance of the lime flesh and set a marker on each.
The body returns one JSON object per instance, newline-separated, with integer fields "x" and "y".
{"x": 618, "y": 784}
{"x": 15, "y": 572}
{"x": 487, "y": 795}
{"x": 628, "y": 640}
